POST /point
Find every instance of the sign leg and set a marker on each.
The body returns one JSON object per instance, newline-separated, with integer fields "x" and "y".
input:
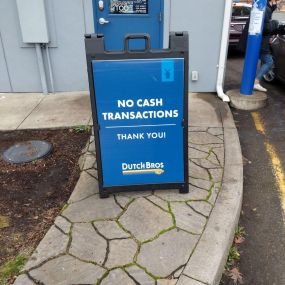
{"x": 104, "y": 194}
{"x": 184, "y": 189}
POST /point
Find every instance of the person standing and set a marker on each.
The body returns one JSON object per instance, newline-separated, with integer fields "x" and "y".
{"x": 271, "y": 27}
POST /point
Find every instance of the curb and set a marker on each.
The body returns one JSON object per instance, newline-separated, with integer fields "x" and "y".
{"x": 206, "y": 265}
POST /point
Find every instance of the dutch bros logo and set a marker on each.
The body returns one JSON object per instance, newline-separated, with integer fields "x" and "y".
{"x": 143, "y": 168}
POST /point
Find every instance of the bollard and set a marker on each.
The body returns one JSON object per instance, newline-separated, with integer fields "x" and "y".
{"x": 253, "y": 46}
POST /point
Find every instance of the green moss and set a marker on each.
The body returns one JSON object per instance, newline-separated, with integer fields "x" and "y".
{"x": 209, "y": 195}
{"x": 126, "y": 207}
{"x": 209, "y": 152}
{"x": 103, "y": 277}
{"x": 148, "y": 273}
{"x": 82, "y": 129}
{"x": 137, "y": 253}
{"x": 12, "y": 268}
{"x": 159, "y": 234}
{"x": 125, "y": 230}
{"x": 63, "y": 208}
{"x": 172, "y": 215}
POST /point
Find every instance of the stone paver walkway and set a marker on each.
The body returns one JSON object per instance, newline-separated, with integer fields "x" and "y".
{"x": 143, "y": 238}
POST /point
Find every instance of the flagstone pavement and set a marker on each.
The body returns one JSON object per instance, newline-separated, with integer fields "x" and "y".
{"x": 140, "y": 238}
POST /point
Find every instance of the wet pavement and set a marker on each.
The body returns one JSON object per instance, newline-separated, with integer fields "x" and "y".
{"x": 262, "y": 136}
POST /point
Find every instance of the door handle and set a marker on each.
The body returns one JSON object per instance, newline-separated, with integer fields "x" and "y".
{"x": 102, "y": 21}
{"x": 101, "y": 5}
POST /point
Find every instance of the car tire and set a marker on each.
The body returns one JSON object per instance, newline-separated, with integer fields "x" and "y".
{"x": 270, "y": 76}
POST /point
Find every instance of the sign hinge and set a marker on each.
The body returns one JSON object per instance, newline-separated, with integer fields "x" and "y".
{"x": 160, "y": 17}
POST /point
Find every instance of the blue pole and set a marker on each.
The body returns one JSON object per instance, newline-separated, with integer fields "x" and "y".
{"x": 253, "y": 46}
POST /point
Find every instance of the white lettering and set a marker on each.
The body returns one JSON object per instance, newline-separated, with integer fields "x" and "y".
{"x": 142, "y": 165}
{"x": 149, "y": 102}
{"x": 159, "y": 135}
{"x": 125, "y": 103}
{"x": 135, "y": 136}
{"x": 105, "y": 116}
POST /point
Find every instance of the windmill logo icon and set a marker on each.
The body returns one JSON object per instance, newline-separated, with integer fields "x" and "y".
{"x": 167, "y": 71}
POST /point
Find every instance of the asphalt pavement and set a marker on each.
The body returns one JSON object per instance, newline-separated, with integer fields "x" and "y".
{"x": 262, "y": 136}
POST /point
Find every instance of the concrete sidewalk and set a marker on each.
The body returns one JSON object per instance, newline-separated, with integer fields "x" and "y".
{"x": 38, "y": 111}
{"x": 152, "y": 237}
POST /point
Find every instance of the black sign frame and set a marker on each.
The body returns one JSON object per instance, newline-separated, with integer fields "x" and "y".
{"x": 178, "y": 48}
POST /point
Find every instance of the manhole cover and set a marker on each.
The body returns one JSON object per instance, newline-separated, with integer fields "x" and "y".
{"x": 27, "y": 151}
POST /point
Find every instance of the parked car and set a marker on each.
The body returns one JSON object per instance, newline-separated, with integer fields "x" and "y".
{"x": 278, "y": 51}
{"x": 240, "y": 15}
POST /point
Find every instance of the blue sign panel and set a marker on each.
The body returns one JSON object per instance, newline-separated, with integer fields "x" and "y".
{"x": 140, "y": 115}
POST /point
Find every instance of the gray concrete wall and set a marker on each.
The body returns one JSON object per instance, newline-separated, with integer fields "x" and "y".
{"x": 20, "y": 62}
{"x": 203, "y": 20}
{"x": 69, "y": 20}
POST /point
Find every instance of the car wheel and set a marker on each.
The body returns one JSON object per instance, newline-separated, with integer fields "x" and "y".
{"x": 270, "y": 76}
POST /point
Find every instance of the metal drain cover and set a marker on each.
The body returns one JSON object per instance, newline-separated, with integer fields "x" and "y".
{"x": 27, "y": 151}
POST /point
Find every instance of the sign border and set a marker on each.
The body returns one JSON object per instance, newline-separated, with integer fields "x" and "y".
{"x": 178, "y": 49}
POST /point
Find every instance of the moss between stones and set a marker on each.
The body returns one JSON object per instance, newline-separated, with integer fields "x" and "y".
{"x": 63, "y": 208}
{"x": 12, "y": 268}
{"x": 70, "y": 239}
{"x": 159, "y": 234}
{"x": 172, "y": 214}
{"x": 137, "y": 253}
{"x": 103, "y": 277}
{"x": 125, "y": 208}
{"x": 210, "y": 193}
{"x": 147, "y": 198}
{"x": 127, "y": 231}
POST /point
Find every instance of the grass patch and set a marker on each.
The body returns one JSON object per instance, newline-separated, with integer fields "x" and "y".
{"x": 82, "y": 129}
{"x": 240, "y": 232}
{"x": 12, "y": 269}
{"x": 233, "y": 257}
{"x": 234, "y": 254}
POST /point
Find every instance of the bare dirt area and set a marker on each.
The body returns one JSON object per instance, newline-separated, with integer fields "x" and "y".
{"x": 32, "y": 194}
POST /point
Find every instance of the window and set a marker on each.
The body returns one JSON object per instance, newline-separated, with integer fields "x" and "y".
{"x": 129, "y": 7}
{"x": 240, "y": 11}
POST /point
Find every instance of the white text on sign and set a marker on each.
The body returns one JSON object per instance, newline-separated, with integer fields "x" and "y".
{"x": 141, "y": 136}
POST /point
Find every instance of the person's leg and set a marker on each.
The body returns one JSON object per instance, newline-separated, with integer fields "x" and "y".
{"x": 266, "y": 65}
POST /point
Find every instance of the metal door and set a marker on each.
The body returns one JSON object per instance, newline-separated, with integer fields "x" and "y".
{"x": 116, "y": 18}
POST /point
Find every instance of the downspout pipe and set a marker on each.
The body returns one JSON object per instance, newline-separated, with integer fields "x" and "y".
{"x": 224, "y": 51}
{"x": 49, "y": 68}
{"x": 41, "y": 68}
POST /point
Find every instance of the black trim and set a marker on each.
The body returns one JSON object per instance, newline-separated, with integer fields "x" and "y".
{"x": 178, "y": 48}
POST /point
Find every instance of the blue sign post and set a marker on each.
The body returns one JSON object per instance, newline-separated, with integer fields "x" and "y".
{"x": 253, "y": 46}
{"x": 140, "y": 114}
